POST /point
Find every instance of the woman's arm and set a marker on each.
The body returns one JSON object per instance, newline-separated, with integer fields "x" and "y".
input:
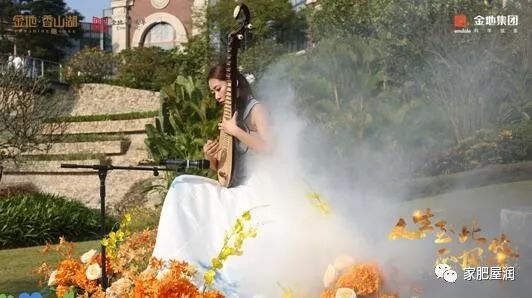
{"x": 261, "y": 141}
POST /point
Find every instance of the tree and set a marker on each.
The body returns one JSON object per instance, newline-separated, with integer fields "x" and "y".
{"x": 25, "y": 108}
{"x": 90, "y": 65}
{"x": 146, "y": 68}
{"x": 46, "y": 45}
{"x": 7, "y": 10}
{"x": 270, "y": 19}
{"x": 193, "y": 57}
{"x": 275, "y": 28}
{"x": 403, "y": 29}
{"x": 338, "y": 85}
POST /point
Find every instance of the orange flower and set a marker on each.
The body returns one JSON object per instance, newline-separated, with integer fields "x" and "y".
{"x": 139, "y": 290}
{"x": 68, "y": 272}
{"x": 363, "y": 278}
{"x": 156, "y": 264}
{"x": 180, "y": 269}
{"x": 61, "y": 291}
{"x": 328, "y": 293}
{"x": 176, "y": 288}
{"x": 213, "y": 294}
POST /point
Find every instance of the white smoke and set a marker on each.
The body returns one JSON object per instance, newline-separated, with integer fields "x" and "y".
{"x": 296, "y": 241}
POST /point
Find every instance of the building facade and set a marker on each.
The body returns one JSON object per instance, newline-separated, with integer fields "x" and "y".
{"x": 163, "y": 23}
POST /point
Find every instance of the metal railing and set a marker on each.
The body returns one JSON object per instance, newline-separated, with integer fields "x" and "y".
{"x": 36, "y": 68}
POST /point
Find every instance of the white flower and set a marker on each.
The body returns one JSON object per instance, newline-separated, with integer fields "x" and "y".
{"x": 330, "y": 276}
{"x": 342, "y": 262}
{"x": 51, "y": 280}
{"x": 86, "y": 257}
{"x": 93, "y": 272}
{"x": 119, "y": 288}
{"x": 345, "y": 293}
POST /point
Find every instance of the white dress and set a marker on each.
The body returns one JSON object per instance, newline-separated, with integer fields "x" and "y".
{"x": 198, "y": 212}
{"x": 294, "y": 242}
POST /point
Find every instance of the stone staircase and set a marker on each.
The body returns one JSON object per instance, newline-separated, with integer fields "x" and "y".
{"x": 43, "y": 168}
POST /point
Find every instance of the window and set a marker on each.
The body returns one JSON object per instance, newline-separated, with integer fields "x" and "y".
{"x": 160, "y": 35}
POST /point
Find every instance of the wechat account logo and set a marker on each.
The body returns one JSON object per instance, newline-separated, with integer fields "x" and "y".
{"x": 444, "y": 271}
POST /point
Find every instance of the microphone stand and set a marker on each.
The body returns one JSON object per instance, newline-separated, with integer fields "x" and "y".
{"x": 102, "y": 174}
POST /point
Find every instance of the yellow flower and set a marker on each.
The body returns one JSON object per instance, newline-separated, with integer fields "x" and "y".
{"x": 246, "y": 215}
{"x": 127, "y": 218}
{"x": 287, "y": 293}
{"x": 120, "y": 235}
{"x": 217, "y": 264}
{"x": 313, "y": 196}
{"x": 233, "y": 241}
{"x": 252, "y": 233}
{"x": 209, "y": 276}
{"x": 319, "y": 202}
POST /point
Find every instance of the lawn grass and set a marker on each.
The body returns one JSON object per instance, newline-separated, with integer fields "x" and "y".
{"x": 458, "y": 207}
{"x": 17, "y": 265}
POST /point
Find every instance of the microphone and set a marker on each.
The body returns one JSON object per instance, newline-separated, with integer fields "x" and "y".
{"x": 187, "y": 163}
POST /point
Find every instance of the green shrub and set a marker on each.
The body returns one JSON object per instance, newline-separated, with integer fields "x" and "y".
{"x": 30, "y": 220}
{"x": 90, "y": 65}
{"x": 146, "y": 68}
{"x": 188, "y": 118}
{"x": 105, "y": 117}
{"x": 510, "y": 145}
{"x": 18, "y": 189}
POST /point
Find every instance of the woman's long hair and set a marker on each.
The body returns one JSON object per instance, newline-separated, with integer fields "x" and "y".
{"x": 243, "y": 92}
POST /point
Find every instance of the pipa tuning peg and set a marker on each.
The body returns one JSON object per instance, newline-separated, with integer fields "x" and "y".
{"x": 249, "y": 26}
{"x": 240, "y": 36}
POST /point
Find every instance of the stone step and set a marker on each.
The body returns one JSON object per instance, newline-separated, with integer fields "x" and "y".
{"x": 95, "y": 99}
{"x": 117, "y": 126}
{"x": 83, "y": 187}
{"x": 101, "y": 147}
{"x": 48, "y": 166}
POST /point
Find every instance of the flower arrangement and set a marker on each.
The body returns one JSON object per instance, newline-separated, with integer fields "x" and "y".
{"x": 74, "y": 275}
{"x": 347, "y": 279}
{"x": 131, "y": 270}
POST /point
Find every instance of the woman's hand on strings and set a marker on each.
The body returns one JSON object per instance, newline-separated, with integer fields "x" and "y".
{"x": 229, "y": 126}
{"x": 210, "y": 149}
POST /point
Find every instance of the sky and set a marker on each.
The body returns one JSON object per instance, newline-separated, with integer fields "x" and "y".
{"x": 89, "y": 8}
